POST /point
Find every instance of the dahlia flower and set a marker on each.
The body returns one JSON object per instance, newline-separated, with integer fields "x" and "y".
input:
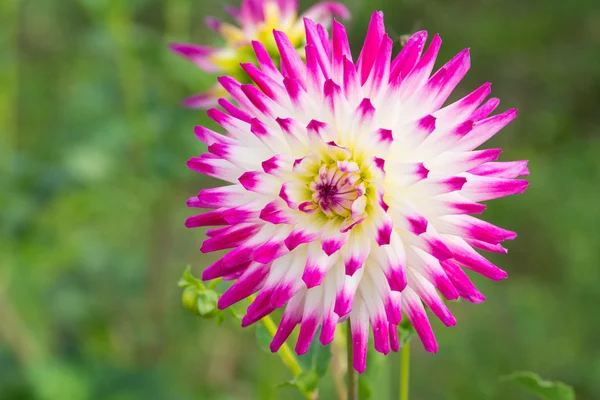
{"x": 350, "y": 188}
{"x": 256, "y": 19}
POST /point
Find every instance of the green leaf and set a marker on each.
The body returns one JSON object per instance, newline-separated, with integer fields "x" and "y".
{"x": 322, "y": 359}
{"x": 188, "y": 279}
{"x": 545, "y": 390}
{"x": 317, "y": 358}
{"x": 365, "y": 389}
{"x": 405, "y": 332}
{"x": 206, "y": 302}
{"x": 263, "y": 337}
{"x": 306, "y": 382}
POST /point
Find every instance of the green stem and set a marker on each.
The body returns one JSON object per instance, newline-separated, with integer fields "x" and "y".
{"x": 286, "y": 354}
{"x": 213, "y": 284}
{"x": 404, "y": 370}
{"x": 352, "y": 375}
{"x": 177, "y": 19}
{"x": 9, "y": 81}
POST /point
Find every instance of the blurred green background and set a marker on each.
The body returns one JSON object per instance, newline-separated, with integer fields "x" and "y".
{"x": 93, "y": 186}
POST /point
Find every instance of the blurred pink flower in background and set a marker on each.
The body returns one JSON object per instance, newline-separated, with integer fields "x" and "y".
{"x": 256, "y": 20}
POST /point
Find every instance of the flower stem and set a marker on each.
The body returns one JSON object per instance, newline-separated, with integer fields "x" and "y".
{"x": 286, "y": 354}
{"x": 404, "y": 370}
{"x": 352, "y": 375}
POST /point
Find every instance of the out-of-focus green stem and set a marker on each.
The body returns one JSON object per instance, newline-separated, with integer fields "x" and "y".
{"x": 352, "y": 375}
{"x": 286, "y": 354}
{"x": 130, "y": 72}
{"x": 404, "y": 370}
{"x": 177, "y": 19}
{"x": 9, "y": 81}
{"x": 213, "y": 284}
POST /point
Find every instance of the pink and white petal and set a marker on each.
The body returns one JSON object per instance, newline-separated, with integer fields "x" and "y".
{"x": 311, "y": 319}
{"x": 506, "y": 170}
{"x": 469, "y": 258}
{"x": 406, "y": 60}
{"x": 406, "y": 174}
{"x": 295, "y": 193}
{"x": 380, "y": 72}
{"x": 330, "y": 318}
{"x": 210, "y": 218}
{"x": 234, "y": 88}
{"x": 318, "y": 51}
{"x": 377, "y": 315}
{"x": 346, "y": 287}
{"x": 292, "y": 65}
{"x": 317, "y": 265}
{"x": 456, "y": 69}
{"x": 211, "y": 165}
{"x": 430, "y": 297}
{"x": 406, "y": 215}
{"x": 356, "y": 251}
{"x": 450, "y": 204}
{"x": 299, "y": 236}
{"x": 492, "y": 248}
{"x": 473, "y": 228}
{"x": 260, "y": 182}
{"x": 462, "y": 283}
{"x": 392, "y": 261}
{"x": 246, "y": 158}
{"x": 410, "y": 136}
{"x": 199, "y": 55}
{"x": 454, "y": 163}
{"x": 436, "y": 185}
{"x": 430, "y": 268}
{"x": 202, "y": 100}
{"x": 244, "y": 213}
{"x": 331, "y": 238}
{"x": 485, "y": 110}
{"x": 359, "y": 325}
{"x": 414, "y": 310}
{"x": 274, "y": 248}
{"x": 342, "y": 57}
{"x": 247, "y": 284}
{"x": 391, "y": 299}
{"x": 265, "y": 61}
{"x": 484, "y": 130}
{"x": 419, "y": 75}
{"x": 209, "y": 137}
{"x": 316, "y": 77}
{"x": 234, "y": 111}
{"x": 465, "y": 108}
{"x": 230, "y": 237}
{"x": 291, "y": 283}
{"x": 291, "y": 317}
{"x": 368, "y": 54}
{"x": 268, "y": 85}
{"x": 225, "y": 196}
{"x": 276, "y": 212}
{"x": 236, "y": 128}
{"x": 483, "y": 188}
{"x": 322, "y": 13}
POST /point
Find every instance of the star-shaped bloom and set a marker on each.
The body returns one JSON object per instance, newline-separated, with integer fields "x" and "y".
{"x": 256, "y": 20}
{"x": 351, "y": 187}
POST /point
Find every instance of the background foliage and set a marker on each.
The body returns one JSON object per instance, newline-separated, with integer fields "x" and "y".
{"x": 93, "y": 185}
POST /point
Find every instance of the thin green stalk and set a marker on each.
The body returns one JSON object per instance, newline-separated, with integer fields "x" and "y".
{"x": 286, "y": 354}
{"x": 119, "y": 24}
{"x": 404, "y": 370}
{"x": 9, "y": 81}
{"x": 177, "y": 19}
{"x": 352, "y": 375}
